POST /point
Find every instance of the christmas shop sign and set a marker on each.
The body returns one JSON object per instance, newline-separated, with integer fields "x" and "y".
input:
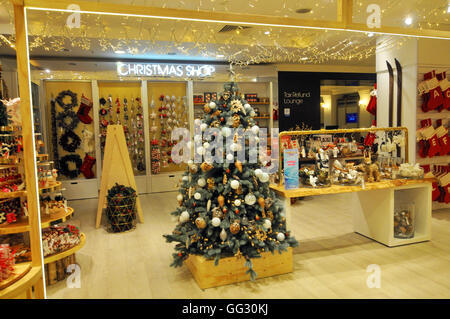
{"x": 165, "y": 70}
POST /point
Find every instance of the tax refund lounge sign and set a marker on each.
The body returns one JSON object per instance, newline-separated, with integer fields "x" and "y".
{"x": 299, "y": 99}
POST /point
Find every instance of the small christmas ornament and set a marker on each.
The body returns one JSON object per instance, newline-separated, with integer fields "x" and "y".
{"x": 207, "y": 109}
{"x": 267, "y": 224}
{"x": 198, "y": 196}
{"x": 250, "y": 199}
{"x": 234, "y": 184}
{"x": 221, "y": 200}
{"x": 206, "y": 167}
{"x": 264, "y": 178}
{"x": 262, "y": 204}
{"x": 230, "y": 157}
{"x": 268, "y": 202}
{"x": 223, "y": 235}
{"x": 201, "y": 182}
{"x": 212, "y": 105}
{"x": 200, "y": 222}
{"x": 238, "y": 164}
{"x": 215, "y": 221}
{"x": 180, "y": 198}
{"x": 217, "y": 212}
{"x": 236, "y": 120}
{"x": 235, "y": 227}
{"x": 191, "y": 191}
{"x": 225, "y": 179}
{"x": 258, "y": 172}
{"x": 244, "y": 220}
{"x": 193, "y": 168}
{"x": 239, "y": 190}
{"x": 280, "y": 237}
{"x": 237, "y": 202}
{"x": 208, "y": 205}
{"x": 211, "y": 183}
{"x": 184, "y": 217}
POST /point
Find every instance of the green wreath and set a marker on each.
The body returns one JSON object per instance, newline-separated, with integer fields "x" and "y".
{"x": 74, "y": 139}
{"x": 62, "y": 95}
{"x": 67, "y": 114}
{"x": 64, "y": 165}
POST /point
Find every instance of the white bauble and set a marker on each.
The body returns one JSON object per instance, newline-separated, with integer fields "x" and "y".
{"x": 234, "y": 147}
{"x": 264, "y": 178}
{"x": 215, "y": 221}
{"x": 200, "y": 150}
{"x": 250, "y": 199}
{"x": 223, "y": 235}
{"x": 252, "y": 113}
{"x": 267, "y": 224}
{"x": 226, "y": 131}
{"x": 247, "y": 106}
{"x": 255, "y": 129}
{"x": 185, "y": 179}
{"x": 234, "y": 184}
{"x": 197, "y": 122}
{"x": 198, "y": 137}
{"x": 212, "y": 105}
{"x": 237, "y": 202}
{"x": 281, "y": 237}
{"x": 180, "y": 196}
{"x": 230, "y": 157}
{"x": 184, "y": 217}
{"x": 201, "y": 182}
{"x": 206, "y": 145}
{"x": 258, "y": 172}
{"x": 203, "y": 126}
{"x": 198, "y": 196}
{"x": 190, "y": 162}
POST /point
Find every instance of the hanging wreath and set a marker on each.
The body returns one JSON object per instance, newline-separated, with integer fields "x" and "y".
{"x": 64, "y": 165}
{"x": 73, "y": 99}
{"x": 62, "y": 118}
{"x": 70, "y": 141}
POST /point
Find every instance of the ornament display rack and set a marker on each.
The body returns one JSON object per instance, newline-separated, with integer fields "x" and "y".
{"x": 374, "y": 218}
{"x": 434, "y": 115}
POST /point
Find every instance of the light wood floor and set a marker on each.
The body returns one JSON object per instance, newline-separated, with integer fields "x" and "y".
{"x": 330, "y": 262}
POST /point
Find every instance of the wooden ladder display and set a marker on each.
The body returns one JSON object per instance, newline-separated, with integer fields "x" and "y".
{"x": 116, "y": 169}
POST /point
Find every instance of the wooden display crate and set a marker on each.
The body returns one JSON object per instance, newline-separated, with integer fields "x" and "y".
{"x": 56, "y": 271}
{"x": 231, "y": 270}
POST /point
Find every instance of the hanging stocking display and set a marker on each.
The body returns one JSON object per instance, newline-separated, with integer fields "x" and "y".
{"x": 429, "y": 133}
{"x": 84, "y": 109}
{"x": 423, "y": 142}
{"x": 86, "y": 167}
{"x": 372, "y": 105}
{"x": 445, "y": 184}
{"x": 445, "y": 87}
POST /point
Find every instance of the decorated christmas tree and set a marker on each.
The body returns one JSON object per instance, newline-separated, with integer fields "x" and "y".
{"x": 226, "y": 207}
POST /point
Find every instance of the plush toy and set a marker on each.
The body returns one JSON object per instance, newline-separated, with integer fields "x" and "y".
{"x": 371, "y": 170}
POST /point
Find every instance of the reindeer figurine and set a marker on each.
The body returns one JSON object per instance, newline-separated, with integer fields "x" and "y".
{"x": 371, "y": 170}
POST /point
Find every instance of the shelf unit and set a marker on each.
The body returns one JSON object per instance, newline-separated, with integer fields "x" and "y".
{"x": 66, "y": 253}
{"x": 81, "y": 188}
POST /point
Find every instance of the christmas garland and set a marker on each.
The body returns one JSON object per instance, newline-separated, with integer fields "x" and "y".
{"x": 72, "y": 104}
{"x": 74, "y": 139}
{"x": 74, "y": 120}
{"x": 64, "y": 165}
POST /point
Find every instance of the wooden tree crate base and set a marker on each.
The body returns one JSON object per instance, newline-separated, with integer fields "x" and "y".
{"x": 231, "y": 270}
{"x": 56, "y": 270}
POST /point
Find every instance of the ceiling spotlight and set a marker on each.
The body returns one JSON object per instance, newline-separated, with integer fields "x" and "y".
{"x": 47, "y": 70}
{"x": 370, "y": 34}
{"x": 267, "y": 32}
{"x": 303, "y": 10}
{"x": 220, "y": 56}
{"x": 304, "y": 59}
{"x": 448, "y": 8}
{"x": 408, "y": 21}
{"x": 119, "y": 52}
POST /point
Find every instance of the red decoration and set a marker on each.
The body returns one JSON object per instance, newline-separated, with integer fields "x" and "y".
{"x": 236, "y": 211}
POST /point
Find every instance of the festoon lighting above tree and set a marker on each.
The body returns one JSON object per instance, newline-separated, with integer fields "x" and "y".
{"x": 226, "y": 207}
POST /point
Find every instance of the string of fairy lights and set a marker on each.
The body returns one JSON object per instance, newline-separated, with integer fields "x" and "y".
{"x": 241, "y": 46}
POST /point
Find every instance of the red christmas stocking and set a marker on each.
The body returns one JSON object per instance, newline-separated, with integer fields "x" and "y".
{"x": 423, "y": 143}
{"x": 445, "y": 87}
{"x": 424, "y": 91}
{"x": 430, "y": 135}
{"x": 435, "y": 95}
{"x": 84, "y": 109}
{"x": 372, "y": 105}
{"x": 86, "y": 167}
{"x": 444, "y": 142}
{"x": 445, "y": 183}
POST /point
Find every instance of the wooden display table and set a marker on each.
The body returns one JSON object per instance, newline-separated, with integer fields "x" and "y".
{"x": 373, "y": 216}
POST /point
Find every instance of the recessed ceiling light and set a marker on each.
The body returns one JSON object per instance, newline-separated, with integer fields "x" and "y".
{"x": 370, "y": 34}
{"x": 119, "y": 52}
{"x": 47, "y": 70}
{"x": 267, "y": 32}
{"x": 304, "y": 58}
{"x": 408, "y": 21}
{"x": 220, "y": 56}
{"x": 303, "y": 10}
